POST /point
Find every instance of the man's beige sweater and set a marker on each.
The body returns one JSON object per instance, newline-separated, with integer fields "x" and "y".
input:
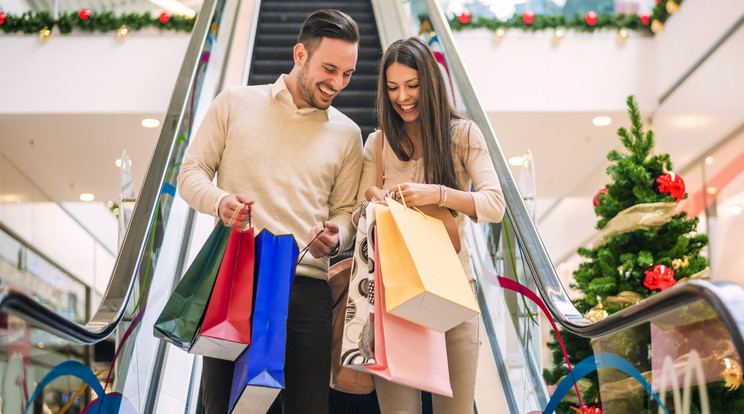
{"x": 301, "y": 167}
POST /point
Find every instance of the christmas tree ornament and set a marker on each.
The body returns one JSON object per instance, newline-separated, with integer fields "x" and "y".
{"x": 731, "y": 373}
{"x": 499, "y": 34}
{"x": 3, "y": 17}
{"x": 45, "y": 34}
{"x": 558, "y": 35}
{"x": 84, "y": 14}
{"x": 680, "y": 263}
{"x": 672, "y": 7}
{"x": 659, "y": 277}
{"x": 590, "y": 18}
{"x": 599, "y": 196}
{"x": 622, "y": 35}
{"x": 164, "y": 17}
{"x": 671, "y": 184}
{"x": 597, "y": 313}
{"x": 657, "y": 26}
{"x": 624, "y": 299}
{"x": 464, "y": 17}
{"x": 528, "y": 17}
{"x": 645, "y": 19}
{"x": 588, "y": 410}
{"x": 122, "y": 32}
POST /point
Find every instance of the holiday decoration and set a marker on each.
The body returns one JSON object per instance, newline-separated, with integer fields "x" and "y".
{"x": 45, "y": 34}
{"x": 659, "y": 277}
{"x": 465, "y": 17}
{"x": 657, "y": 26}
{"x": 35, "y": 22}
{"x": 622, "y": 35}
{"x": 672, "y": 184}
{"x": 528, "y": 17}
{"x": 84, "y": 14}
{"x": 645, "y": 19}
{"x": 631, "y": 259}
{"x": 731, "y": 373}
{"x": 164, "y": 17}
{"x": 122, "y": 32}
{"x": 591, "y": 18}
{"x": 680, "y": 263}
{"x": 598, "y": 197}
{"x": 672, "y": 7}
{"x": 558, "y": 35}
{"x": 588, "y": 410}
{"x": 498, "y": 34}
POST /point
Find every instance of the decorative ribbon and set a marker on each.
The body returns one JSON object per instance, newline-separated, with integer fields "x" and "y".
{"x": 639, "y": 216}
{"x": 590, "y": 365}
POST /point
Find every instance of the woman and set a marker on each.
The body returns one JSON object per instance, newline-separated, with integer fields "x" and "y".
{"x": 430, "y": 156}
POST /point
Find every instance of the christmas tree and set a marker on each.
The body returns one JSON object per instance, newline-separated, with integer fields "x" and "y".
{"x": 643, "y": 247}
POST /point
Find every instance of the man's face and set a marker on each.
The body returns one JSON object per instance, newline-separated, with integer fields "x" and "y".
{"x": 324, "y": 73}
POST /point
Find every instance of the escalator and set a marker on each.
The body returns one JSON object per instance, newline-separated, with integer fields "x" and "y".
{"x": 153, "y": 377}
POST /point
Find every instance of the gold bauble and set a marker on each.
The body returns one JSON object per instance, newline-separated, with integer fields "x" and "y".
{"x": 45, "y": 34}
{"x": 672, "y": 7}
{"x": 657, "y": 26}
{"x": 622, "y": 34}
{"x": 558, "y": 35}
{"x": 122, "y": 32}
{"x": 678, "y": 263}
{"x": 624, "y": 299}
{"x": 731, "y": 373}
{"x": 499, "y": 33}
{"x": 597, "y": 313}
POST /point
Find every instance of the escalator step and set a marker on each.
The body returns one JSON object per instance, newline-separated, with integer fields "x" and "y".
{"x": 308, "y": 7}
{"x": 299, "y": 17}
{"x": 294, "y": 28}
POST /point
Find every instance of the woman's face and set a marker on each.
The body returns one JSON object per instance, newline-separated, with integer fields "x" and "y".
{"x": 403, "y": 91}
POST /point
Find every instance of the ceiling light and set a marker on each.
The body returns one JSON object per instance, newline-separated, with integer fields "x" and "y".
{"x": 711, "y": 190}
{"x": 150, "y": 123}
{"x": 709, "y": 160}
{"x": 87, "y": 197}
{"x": 175, "y": 7}
{"x": 9, "y": 198}
{"x": 516, "y": 161}
{"x": 118, "y": 163}
{"x": 602, "y": 121}
{"x": 735, "y": 210}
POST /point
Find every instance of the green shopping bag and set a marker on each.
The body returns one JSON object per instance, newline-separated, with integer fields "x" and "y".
{"x": 180, "y": 320}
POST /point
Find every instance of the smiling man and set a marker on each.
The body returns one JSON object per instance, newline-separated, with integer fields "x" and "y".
{"x": 284, "y": 149}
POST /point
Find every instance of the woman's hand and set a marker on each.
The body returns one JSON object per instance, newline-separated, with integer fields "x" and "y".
{"x": 374, "y": 193}
{"x": 416, "y": 194}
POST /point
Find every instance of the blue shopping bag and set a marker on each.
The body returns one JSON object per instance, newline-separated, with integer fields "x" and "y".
{"x": 259, "y": 371}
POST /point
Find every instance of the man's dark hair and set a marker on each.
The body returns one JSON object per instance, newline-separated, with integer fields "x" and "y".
{"x": 330, "y": 23}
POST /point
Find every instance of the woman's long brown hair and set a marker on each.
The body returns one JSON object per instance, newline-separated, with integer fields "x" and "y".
{"x": 435, "y": 112}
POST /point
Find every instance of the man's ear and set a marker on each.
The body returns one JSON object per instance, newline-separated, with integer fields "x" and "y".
{"x": 300, "y": 54}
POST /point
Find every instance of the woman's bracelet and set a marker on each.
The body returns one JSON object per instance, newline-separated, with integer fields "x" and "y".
{"x": 442, "y": 195}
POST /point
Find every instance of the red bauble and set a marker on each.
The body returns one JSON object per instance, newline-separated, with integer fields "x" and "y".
{"x": 165, "y": 17}
{"x": 591, "y": 18}
{"x": 646, "y": 19}
{"x": 598, "y": 197}
{"x": 672, "y": 184}
{"x": 659, "y": 277}
{"x": 528, "y": 17}
{"x": 84, "y": 14}
{"x": 464, "y": 17}
{"x": 590, "y": 410}
{"x": 3, "y": 16}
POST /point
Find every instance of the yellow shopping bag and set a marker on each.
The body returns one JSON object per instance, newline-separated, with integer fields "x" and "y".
{"x": 422, "y": 275}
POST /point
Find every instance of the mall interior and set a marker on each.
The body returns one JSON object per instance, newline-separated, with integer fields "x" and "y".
{"x": 616, "y": 128}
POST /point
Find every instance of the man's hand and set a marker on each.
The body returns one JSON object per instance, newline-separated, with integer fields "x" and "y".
{"x": 326, "y": 242}
{"x": 231, "y": 205}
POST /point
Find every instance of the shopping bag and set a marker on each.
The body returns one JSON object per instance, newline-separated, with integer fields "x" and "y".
{"x": 407, "y": 353}
{"x": 424, "y": 279}
{"x": 343, "y": 378}
{"x": 358, "y": 329}
{"x": 259, "y": 370}
{"x": 226, "y": 329}
{"x": 182, "y": 315}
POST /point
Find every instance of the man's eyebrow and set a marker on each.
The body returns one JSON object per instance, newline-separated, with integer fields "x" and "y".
{"x": 332, "y": 66}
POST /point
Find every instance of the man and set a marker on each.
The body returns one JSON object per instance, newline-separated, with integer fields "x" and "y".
{"x": 284, "y": 149}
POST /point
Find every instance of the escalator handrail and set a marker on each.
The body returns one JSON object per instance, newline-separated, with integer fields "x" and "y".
{"x": 121, "y": 284}
{"x": 723, "y": 297}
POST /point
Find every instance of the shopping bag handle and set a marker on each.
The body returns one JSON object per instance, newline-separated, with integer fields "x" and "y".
{"x": 400, "y": 193}
{"x": 239, "y": 214}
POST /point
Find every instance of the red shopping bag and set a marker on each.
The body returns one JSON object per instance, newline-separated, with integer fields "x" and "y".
{"x": 407, "y": 353}
{"x": 226, "y": 330}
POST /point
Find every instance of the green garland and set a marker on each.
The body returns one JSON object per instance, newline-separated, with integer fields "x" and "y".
{"x": 577, "y": 22}
{"x": 32, "y": 23}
